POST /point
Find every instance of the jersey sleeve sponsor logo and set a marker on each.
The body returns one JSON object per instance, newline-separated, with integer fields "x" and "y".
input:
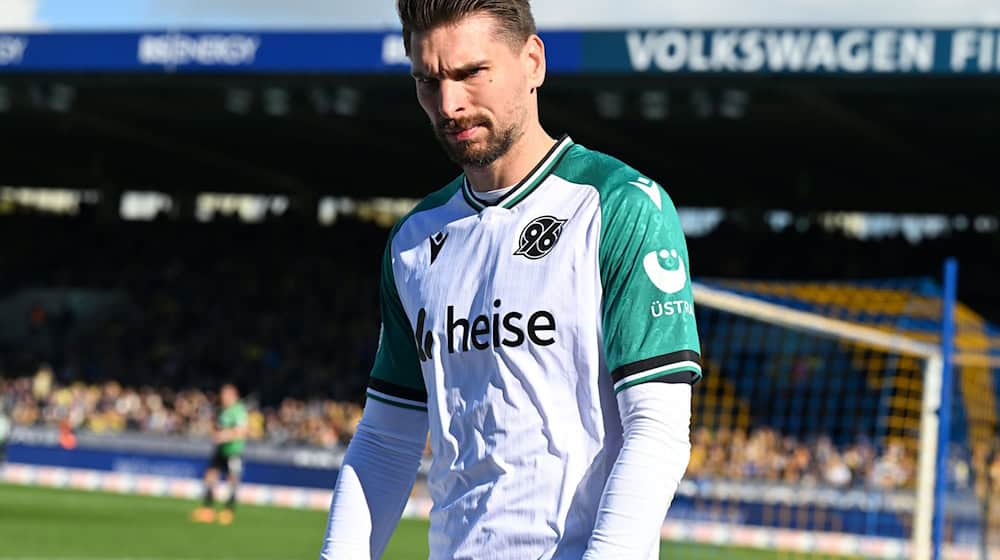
{"x": 539, "y": 237}
{"x": 651, "y": 189}
{"x": 667, "y": 280}
{"x": 671, "y": 308}
{"x": 437, "y": 243}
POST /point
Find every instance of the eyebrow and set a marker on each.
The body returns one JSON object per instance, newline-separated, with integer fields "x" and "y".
{"x": 464, "y": 69}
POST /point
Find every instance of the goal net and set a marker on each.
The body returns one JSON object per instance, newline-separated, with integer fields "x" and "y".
{"x": 815, "y": 427}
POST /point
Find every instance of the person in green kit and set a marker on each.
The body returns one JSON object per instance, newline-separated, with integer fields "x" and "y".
{"x": 230, "y": 439}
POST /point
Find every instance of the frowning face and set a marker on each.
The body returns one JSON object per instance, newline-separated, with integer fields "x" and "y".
{"x": 475, "y": 84}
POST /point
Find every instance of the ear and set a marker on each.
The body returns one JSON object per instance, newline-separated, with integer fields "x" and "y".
{"x": 533, "y": 57}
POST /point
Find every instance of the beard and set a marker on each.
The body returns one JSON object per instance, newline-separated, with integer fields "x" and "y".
{"x": 468, "y": 153}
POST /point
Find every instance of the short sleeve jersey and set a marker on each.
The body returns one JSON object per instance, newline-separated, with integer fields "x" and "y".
{"x": 231, "y": 417}
{"x": 513, "y": 324}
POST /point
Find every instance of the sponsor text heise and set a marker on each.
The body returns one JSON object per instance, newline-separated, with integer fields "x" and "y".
{"x": 485, "y": 331}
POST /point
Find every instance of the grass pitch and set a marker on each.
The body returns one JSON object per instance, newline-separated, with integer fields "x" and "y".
{"x": 49, "y": 524}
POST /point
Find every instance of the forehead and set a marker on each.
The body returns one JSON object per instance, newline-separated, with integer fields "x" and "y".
{"x": 472, "y": 38}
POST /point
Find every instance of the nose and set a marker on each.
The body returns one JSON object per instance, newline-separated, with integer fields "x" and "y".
{"x": 451, "y": 99}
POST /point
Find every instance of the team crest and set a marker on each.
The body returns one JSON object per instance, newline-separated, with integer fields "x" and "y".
{"x": 539, "y": 237}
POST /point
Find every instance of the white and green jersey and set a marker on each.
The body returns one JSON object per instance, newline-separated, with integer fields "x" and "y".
{"x": 514, "y": 324}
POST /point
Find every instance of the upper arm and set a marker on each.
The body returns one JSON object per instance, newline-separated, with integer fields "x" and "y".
{"x": 396, "y": 377}
{"x": 649, "y": 325}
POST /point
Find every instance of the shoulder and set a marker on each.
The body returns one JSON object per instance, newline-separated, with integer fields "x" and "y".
{"x": 431, "y": 202}
{"x": 617, "y": 183}
{"x": 590, "y": 167}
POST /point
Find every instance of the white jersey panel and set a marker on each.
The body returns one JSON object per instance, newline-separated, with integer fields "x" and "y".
{"x": 514, "y": 322}
{"x": 518, "y": 394}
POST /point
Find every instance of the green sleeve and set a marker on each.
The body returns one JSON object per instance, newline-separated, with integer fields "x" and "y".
{"x": 396, "y": 378}
{"x": 648, "y": 315}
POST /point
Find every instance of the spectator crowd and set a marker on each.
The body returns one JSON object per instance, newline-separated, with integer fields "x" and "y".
{"x": 761, "y": 454}
{"x": 286, "y": 312}
{"x": 289, "y": 313}
{"x": 765, "y": 454}
{"x": 110, "y": 407}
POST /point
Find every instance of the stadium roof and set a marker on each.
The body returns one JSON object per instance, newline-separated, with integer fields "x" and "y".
{"x": 840, "y": 118}
{"x": 795, "y": 142}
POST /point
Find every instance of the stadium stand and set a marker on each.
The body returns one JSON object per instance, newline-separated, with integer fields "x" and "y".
{"x": 288, "y": 311}
{"x": 118, "y": 328}
{"x": 762, "y": 454}
{"x": 110, "y": 408}
{"x": 290, "y": 308}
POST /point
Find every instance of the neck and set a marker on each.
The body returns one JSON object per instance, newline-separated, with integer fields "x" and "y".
{"x": 515, "y": 164}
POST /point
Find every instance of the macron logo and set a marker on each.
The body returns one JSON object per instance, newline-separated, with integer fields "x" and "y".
{"x": 437, "y": 243}
{"x": 651, "y": 189}
{"x": 669, "y": 281}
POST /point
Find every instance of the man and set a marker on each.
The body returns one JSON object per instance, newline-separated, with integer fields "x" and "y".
{"x": 230, "y": 439}
{"x": 5, "y": 431}
{"x": 537, "y": 319}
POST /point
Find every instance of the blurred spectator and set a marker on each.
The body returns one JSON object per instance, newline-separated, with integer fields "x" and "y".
{"x": 836, "y": 473}
{"x": 994, "y": 473}
{"x": 763, "y": 454}
{"x": 5, "y": 429}
{"x": 113, "y": 408}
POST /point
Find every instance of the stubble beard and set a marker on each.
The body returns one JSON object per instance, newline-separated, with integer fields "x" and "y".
{"x": 468, "y": 154}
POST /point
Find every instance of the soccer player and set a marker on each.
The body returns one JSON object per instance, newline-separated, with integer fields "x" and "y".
{"x": 5, "y": 430}
{"x": 230, "y": 439}
{"x": 537, "y": 319}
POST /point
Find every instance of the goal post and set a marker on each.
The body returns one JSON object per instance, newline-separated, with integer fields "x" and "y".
{"x": 946, "y": 392}
{"x": 787, "y": 381}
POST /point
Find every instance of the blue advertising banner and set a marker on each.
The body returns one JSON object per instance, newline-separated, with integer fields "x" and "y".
{"x": 856, "y": 511}
{"x": 818, "y": 51}
{"x": 170, "y": 465}
{"x": 253, "y": 52}
{"x": 889, "y": 51}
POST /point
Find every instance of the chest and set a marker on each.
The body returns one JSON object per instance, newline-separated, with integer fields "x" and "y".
{"x": 503, "y": 278}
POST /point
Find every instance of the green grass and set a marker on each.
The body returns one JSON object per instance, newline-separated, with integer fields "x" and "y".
{"x": 48, "y": 524}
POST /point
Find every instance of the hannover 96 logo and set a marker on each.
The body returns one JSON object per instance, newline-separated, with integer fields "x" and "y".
{"x": 539, "y": 237}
